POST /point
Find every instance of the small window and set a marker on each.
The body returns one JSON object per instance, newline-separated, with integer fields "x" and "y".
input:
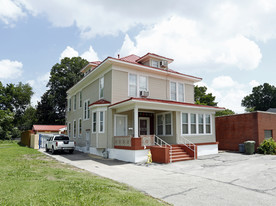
{"x": 193, "y": 123}
{"x": 208, "y": 123}
{"x": 101, "y": 122}
{"x": 101, "y": 91}
{"x": 132, "y": 85}
{"x": 200, "y": 124}
{"x": 86, "y": 110}
{"x": 168, "y": 124}
{"x": 185, "y": 123}
{"x": 154, "y": 63}
{"x": 268, "y": 134}
{"x": 173, "y": 91}
{"x": 94, "y": 122}
{"x": 69, "y": 104}
{"x": 69, "y": 129}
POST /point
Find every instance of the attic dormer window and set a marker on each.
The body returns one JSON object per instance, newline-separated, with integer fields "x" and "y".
{"x": 155, "y": 63}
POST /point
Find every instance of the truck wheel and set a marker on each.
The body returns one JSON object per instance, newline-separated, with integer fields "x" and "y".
{"x": 71, "y": 151}
{"x": 53, "y": 151}
{"x": 46, "y": 148}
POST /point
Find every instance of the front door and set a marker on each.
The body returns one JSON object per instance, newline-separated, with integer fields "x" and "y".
{"x": 144, "y": 125}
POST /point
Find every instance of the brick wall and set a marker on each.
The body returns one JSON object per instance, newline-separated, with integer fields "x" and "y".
{"x": 235, "y": 129}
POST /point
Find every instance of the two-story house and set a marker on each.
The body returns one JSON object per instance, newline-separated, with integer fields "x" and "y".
{"x": 123, "y": 106}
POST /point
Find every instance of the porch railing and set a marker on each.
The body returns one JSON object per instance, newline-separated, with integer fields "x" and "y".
{"x": 158, "y": 141}
{"x": 188, "y": 144}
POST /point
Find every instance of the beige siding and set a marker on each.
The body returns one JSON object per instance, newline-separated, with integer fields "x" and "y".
{"x": 119, "y": 86}
{"x": 189, "y": 93}
{"x": 157, "y": 88}
{"x": 107, "y": 86}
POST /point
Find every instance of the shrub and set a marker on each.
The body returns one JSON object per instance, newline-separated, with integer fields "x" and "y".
{"x": 268, "y": 146}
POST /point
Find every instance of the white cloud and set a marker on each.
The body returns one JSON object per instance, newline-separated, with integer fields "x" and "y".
{"x": 68, "y": 52}
{"x": 10, "y": 11}
{"x": 254, "y": 83}
{"x": 89, "y": 55}
{"x": 10, "y": 69}
{"x": 223, "y": 82}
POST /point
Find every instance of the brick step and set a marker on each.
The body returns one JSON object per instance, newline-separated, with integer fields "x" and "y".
{"x": 179, "y": 152}
{"x": 182, "y": 159}
{"x": 180, "y": 155}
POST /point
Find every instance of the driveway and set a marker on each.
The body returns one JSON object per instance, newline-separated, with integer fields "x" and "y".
{"x": 222, "y": 179}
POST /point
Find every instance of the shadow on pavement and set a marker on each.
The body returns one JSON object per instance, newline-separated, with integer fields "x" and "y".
{"x": 80, "y": 156}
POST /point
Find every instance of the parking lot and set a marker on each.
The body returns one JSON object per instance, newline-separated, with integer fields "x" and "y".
{"x": 222, "y": 179}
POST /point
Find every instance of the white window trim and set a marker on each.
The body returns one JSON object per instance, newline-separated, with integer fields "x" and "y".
{"x": 103, "y": 122}
{"x": 126, "y": 123}
{"x": 177, "y": 92}
{"x": 95, "y": 122}
{"x": 151, "y": 63}
{"x": 74, "y": 128}
{"x": 79, "y": 129}
{"x": 137, "y": 83}
{"x": 85, "y": 115}
{"x": 164, "y": 124}
{"x": 100, "y": 87}
{"x": 197, "y": 128}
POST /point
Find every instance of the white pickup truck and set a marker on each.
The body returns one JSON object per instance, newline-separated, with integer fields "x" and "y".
{"x": 60, "y": 142}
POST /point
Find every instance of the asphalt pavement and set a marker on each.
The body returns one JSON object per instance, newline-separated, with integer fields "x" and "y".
{"x": 222, "y": 179}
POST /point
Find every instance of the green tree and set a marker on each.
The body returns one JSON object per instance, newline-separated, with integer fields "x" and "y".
{"x": 14, "y": 100}
{"x": 201, "y": 97}
{"x": 28, "y": 119}
{"x": 262, "y": 98}
{"x": 225, "y": 112}
{"x": 51, "y": 108}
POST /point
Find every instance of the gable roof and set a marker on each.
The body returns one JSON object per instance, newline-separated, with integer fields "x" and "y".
{"x": 48, "y": 127}
{"x": 153, "y": 55}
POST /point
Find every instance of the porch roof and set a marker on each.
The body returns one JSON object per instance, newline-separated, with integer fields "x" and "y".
{"x": 148, "y": 103}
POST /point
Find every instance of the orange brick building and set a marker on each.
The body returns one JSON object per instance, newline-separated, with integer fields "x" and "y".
{"x": 233, "y": 130}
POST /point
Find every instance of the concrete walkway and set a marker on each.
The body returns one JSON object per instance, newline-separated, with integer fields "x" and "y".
{"x": 223, "y": 179}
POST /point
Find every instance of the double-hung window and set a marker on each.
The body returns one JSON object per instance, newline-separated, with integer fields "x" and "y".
{"x": 94, "y": 122}
{"x": 101, "y": 87}
{"x": 180, "y": 92}
{"x": 164, "y": 124}
{"x": 79, "y": 127}
{"x": 80, "y": 99}
{"x": 185, "y": 124}
{"x": 132, "y": 85}
{"x": 86, "y": 109}
{"x": 143, "y": 83}
{"x": 173, "y": 91}
{"x": 69, "y": 129}
{"x": 208, "y": 123}
{"x": 177, "y": 91}
{"x": 120, "y": 126}
{"x": 101, "y": 122}
{"x": 74, "y": 128}
{"x": 69, "y": 104}
{"x": 155, "y": 63}
{"x": 75, "y": 102}
{"x": 193, "y": 124}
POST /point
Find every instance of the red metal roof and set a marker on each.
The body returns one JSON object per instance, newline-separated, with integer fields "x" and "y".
{"x": 101, "y": 101}
{"x": 166, "y": 102}
{"x": 152, "y": 54}
{"x": 131, "y": 58}
{"x": 48, "y": 127}
{"x": 96, "y": 62}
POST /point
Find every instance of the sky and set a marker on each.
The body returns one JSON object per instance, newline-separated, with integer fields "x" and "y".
{"x": 230, "y": 44}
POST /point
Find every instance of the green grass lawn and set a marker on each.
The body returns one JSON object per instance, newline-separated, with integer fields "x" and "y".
{"x": 28, "y": 177}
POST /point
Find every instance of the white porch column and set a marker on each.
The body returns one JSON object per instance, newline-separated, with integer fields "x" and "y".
{"x": 135, "y": 122}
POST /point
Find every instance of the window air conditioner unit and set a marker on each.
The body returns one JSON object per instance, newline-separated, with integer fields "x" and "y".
{"x": 144, "y": 93}
{"x": 163, "y": 63}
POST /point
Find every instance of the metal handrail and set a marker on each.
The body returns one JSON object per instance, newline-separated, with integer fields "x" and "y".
{"x": 184, "y": 141}
{"x": 158, "y": 141}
